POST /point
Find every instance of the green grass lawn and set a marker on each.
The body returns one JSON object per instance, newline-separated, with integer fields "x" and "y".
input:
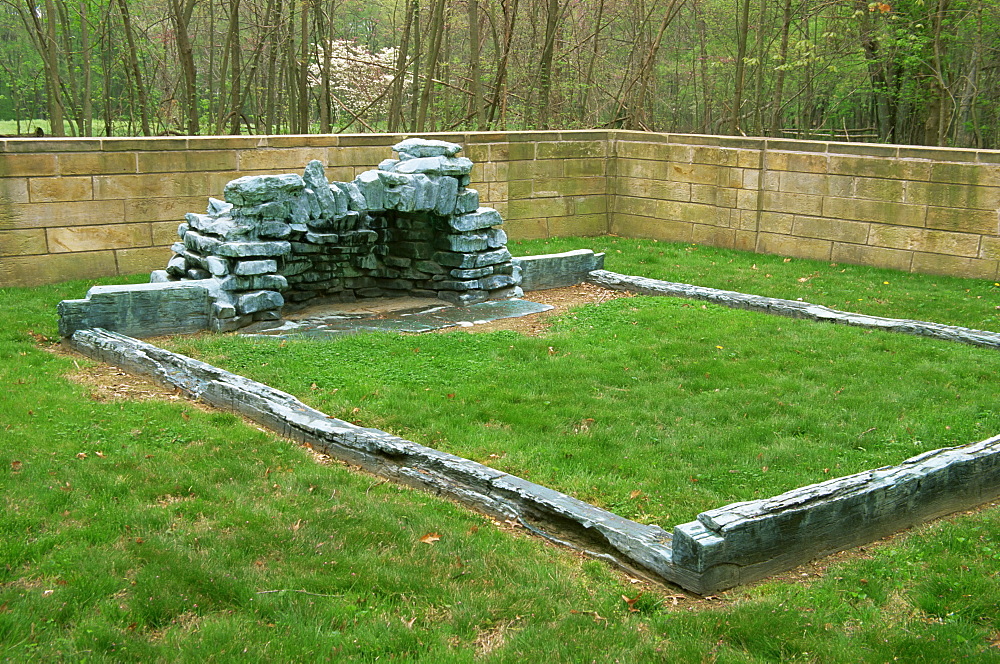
{"x": 154, "y": 530}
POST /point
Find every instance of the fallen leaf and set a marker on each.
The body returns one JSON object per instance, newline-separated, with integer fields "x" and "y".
{"x": 296, "y": 526}
{"x": 100, "y": 454}
{"x": 81, "y": 455}
{"x": 635, "y": 494}
{"x": 787, "y": 260}
{"x": 631, "y": 602}
{"x": 552, "y": 351}
{"x": 430, "y": 538}
{"x": 313, "y": 386}
{"x": 408, "y": 623}
{"x": 15, "y": 465}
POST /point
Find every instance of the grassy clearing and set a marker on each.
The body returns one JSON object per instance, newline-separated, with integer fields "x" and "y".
{"x": 166, "y": 545}
{"x": 656, "y": 408}
{"x": 971, "y": 303}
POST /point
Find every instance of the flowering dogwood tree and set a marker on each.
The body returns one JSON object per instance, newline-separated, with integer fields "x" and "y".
{"x": 358, "y": 78}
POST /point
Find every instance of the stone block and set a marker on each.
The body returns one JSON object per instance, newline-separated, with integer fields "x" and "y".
{"x": 155, "y": 185}
{"x": 949, "y": 195}
{"x": 527, "y": 229}
{"x": 569, "y": 149}
{"x": 142, "y": 310}
{"x": 275, "y": 282}
{"x": 701, "y": 214}
{"x": 254, "y": 190}
{"x": 805, "y": 183}
{"x": 645, "y": 227}
{"x": 855, "y": 254}
{"x": 831, "y": 229}
{"x": 248, "y": 303}
{"x": 957, "y": 266}
{"x": 698, "y": 173}
{"x": 219, "y": 267}
{"x": 482, "y": 218}
{"x": 584, "y": 225}
{"x": 36, "y": 165}
{"x": 97, "y": 163}
{"x": 452, "y": 166}
{"x": 201, "y": 244}
{"x": 464, "y": 299}
{"x": 774, "y": 201}
{"x": 580, "y": 168}
{"x": 22, "y": 243}
{"x": 713, "y": 236}
{"x": 930, "y": 241}
{"x": 747, "y": 199}
{"x": 968, "y": 174}
{"x": 776, "y": 222}
{"x": 789, "y": 245}
{"x": 96, "y": 238}
{"x": 248, "y": 249}
{"x": 877, "y": 189}
{"x": 586, "y": 205}
{"x": 464, "y": 242}
{"x": 254, "y": 267}
{"x": 52, "y": 190}
{"x": 557, "y": 270}
{"x": 281, "y": 159}
{"x": 161, "y": 209}
{"x": 883, "y": 212}
{"x": 963, "y": 220}
{"x": 712, "y": 195}
{"x": 53, "y": 268}
{"x": 13, "y": 190}
{"x": 643, "y": 207}
{"x": 876, "y": 167}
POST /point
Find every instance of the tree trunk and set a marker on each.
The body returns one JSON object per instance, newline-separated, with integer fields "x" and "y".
{"x": 552, "y": 15}
{"x": 396, "y": 120}
{"x": 476, "y": 106}
{"x": 436, "y": 30}
{"x": 180, "y": 15}
{"x": 133, "y": 61}
{"x": 236, "y": 106}
{"x": 779, "y": 84}
{"x": 742, "y": 28}
{"x": 86, "y": 99}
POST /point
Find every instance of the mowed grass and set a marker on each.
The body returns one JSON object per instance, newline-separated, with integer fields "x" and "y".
{"x": 156, "y": 531}
{"x": 655, "y": 408}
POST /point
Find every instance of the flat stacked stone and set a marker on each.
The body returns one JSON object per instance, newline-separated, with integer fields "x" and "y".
{"x": 409, "y": 227}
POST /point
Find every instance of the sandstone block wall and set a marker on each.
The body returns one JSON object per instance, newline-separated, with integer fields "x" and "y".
{"x": 91, "y": 207}
{"x": 76, "y": 208}
{"x": 917, "y": 209}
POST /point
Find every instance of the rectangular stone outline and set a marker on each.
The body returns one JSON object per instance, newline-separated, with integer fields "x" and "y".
{"x": 723, "y": 548}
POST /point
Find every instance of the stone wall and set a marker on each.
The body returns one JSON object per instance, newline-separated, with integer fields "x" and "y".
{"x": 74, "y": 208}
{"x": 91, "y": 207}
{"x": 931, "y": 210}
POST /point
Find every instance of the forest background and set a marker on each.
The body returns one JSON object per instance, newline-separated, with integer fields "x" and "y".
{"x": 909, "y": 71}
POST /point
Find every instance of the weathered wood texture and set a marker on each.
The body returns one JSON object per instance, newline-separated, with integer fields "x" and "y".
{"x": 793, "y": 308}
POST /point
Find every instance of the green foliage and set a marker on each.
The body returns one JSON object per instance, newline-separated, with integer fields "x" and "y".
{"x": 153, "y": 530}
